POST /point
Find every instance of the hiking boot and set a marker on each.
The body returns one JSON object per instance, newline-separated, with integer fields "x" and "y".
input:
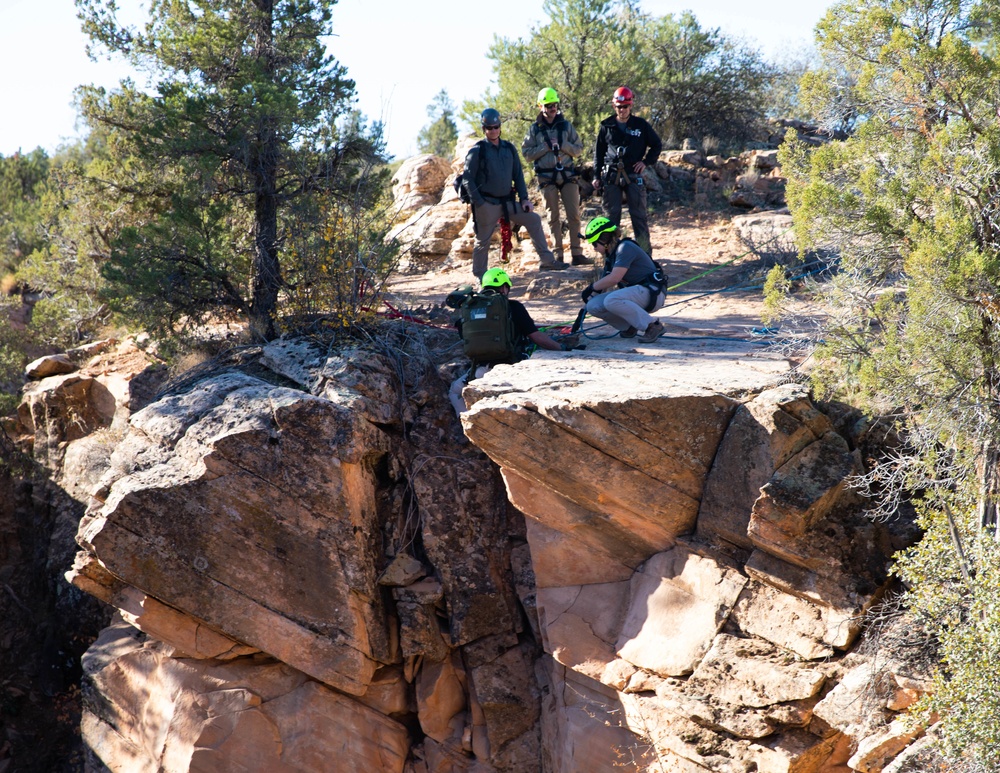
{"x": 630, "y": 333}
{"x": 555, "y": 266}
{"x": 654, "y": 331}
{"x": 582, "y": 260}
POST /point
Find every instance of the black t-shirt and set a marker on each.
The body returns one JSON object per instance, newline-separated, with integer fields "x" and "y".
{"x": 524, "y": 325}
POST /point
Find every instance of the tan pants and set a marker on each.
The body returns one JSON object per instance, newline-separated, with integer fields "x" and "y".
{"x": 570, "y": 195}
{"x": 487, "y": 218}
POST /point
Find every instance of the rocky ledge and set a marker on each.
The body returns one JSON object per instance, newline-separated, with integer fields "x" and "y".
{"x": 647, "y": 561}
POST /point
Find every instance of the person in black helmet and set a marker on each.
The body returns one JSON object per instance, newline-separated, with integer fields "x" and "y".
{"x": 626, "y": 145}
{"x": 494, "y": 180}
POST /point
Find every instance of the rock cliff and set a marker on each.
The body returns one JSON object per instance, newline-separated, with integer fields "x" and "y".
{"x": 639, "y": 562}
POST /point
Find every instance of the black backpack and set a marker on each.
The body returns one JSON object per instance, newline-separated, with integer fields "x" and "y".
{"x": 487, "y": 329}
{"x": 463, "y": 193}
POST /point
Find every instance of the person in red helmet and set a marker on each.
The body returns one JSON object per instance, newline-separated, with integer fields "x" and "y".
{"x": 626, "y": 145}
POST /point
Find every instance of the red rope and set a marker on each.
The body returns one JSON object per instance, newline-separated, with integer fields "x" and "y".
{"x": 505, "y": 242}
{"x": 395, "y": 313}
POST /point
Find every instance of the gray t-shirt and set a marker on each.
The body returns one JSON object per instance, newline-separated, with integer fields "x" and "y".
{"x": 633, "y": 257}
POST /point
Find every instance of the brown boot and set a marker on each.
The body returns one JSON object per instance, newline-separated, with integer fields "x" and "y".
{"x": 654, "y": 331}
{"x": 581, "y": 260}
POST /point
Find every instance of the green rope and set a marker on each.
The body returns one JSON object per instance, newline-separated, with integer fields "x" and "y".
{"x": 723, "y": 265}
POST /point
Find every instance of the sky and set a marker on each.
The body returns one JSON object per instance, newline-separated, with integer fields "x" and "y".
{"x": 400, "y": 53}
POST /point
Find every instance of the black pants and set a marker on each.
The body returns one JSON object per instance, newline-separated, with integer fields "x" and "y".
{"x": 635, "y": 196}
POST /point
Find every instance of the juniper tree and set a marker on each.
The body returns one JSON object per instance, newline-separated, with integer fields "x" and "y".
{"x": 912, "y": 202}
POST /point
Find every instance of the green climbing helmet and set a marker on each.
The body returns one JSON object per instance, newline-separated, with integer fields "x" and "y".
{"x": 598, "y": 226}
{"x": 547, "y": 96}
{"x": 496, "y": 277}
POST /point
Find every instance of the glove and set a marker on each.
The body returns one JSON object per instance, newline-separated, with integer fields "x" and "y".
{"x": 587, "y": 292}
{"x": 568, "y": 348}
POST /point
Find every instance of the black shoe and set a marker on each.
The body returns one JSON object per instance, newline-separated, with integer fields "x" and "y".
{"x": 557, "y": 266}
{"x": 581, "y": 260}
{"x": 630, "y": 333}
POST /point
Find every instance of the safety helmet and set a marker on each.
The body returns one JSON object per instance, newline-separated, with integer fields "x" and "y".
{"x": 496, "y": 277}
{"x": 597, "y": 227}
{"x": 547, "y": 97}
{"x": 490, "y": 117}
{"x": 623, "y": 96}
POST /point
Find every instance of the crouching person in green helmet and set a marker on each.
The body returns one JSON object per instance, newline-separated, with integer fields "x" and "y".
{"x": 494, "y": 180}
{"x": 496, "y": 329}
{"x": 642, "y": 285}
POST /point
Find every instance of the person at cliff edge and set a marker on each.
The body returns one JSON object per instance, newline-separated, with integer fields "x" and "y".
{"x": 641, "y": 284}
{"x": 526, "y": 334}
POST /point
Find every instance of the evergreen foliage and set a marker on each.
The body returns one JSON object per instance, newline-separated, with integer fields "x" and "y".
{"x": 912, "y": 201}
{"x": 439, "y": 136}
{"x": 23, "y": 179}
{"x": 689, "y": 82}
{"x": 246, "y": 115}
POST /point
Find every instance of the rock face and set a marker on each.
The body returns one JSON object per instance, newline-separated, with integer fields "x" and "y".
{"x": 418, "y": 182}
{"x": 656, "y": 563}
{"x": 697, "y": 555}
{"x": 751, "y": 180}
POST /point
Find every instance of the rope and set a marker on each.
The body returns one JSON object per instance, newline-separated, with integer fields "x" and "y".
{"x": 394, "y": 313}
{"x": 728, "y": 262}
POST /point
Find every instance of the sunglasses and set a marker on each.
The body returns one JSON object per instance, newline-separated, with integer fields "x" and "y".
{"x": 491, "y": 128}
{"x": 623, "y": 105}
{"x": 552, "y": 106}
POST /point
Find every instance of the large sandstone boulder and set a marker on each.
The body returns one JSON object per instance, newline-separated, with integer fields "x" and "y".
{"x": 626, "y": 599}
{"x": 318, "y": 574}
{"x": 419, "y": 181}
{"x": 240, "y": 443}
{"x": 243, "y": 715}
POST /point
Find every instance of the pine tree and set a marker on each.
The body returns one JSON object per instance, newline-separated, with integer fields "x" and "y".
{"x": 239, "y": 121}
{"x": 439, "y": 136}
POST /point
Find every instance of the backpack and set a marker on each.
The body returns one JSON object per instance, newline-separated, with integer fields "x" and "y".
{"x": 487, "y": 329}
{"x": 463, "y": 193}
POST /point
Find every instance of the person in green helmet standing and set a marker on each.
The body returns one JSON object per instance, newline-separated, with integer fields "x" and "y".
{"x": 494, "y": 180}
{"x": 632, "y": 287}
{"x": 551, "y": 144}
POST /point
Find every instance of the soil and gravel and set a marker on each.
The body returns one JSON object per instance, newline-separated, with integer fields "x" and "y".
{"x": 721, "y": 295}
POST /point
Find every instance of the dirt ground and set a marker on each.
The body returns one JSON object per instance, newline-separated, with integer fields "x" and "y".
{"x": 696, "y": 248}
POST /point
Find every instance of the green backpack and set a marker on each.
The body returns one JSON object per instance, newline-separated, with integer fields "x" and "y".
{"x": 487, "y": 329}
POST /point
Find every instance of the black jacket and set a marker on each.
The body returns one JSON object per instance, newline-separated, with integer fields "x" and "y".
{"x": 639, "y": 141}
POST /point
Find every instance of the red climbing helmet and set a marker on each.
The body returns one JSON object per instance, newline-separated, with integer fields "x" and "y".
{"x": 623, "y": 96}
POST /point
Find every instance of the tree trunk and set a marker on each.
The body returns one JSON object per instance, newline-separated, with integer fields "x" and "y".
{"x": 263, "y": 167}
